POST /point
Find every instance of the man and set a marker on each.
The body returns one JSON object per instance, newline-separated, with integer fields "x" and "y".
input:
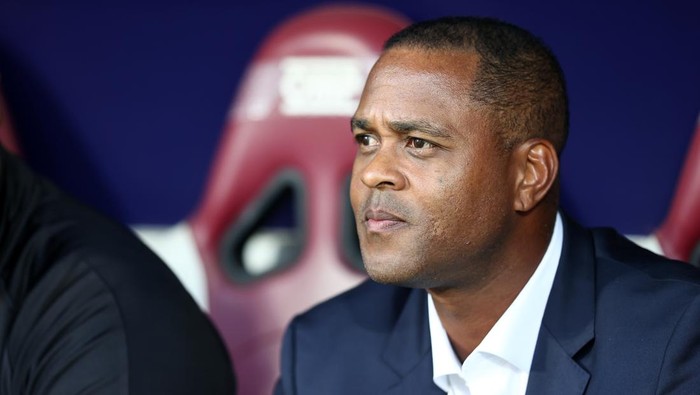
{"x": 85, "y": 308}
{"x": 485, "y": 287}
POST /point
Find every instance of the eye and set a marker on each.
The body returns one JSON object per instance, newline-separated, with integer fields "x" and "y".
{"x": 366, "y": 140}
{"x": 418, "y": 143}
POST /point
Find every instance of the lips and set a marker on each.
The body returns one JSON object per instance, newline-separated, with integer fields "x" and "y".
{"x": 377, "y": 220}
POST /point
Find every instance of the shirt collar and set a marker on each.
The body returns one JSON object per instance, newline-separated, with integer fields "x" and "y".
{"x": 514, "y": 336}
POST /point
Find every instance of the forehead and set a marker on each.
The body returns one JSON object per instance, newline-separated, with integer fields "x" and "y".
{"x": 410, "y": 84}
{"x": 452, "y": 70}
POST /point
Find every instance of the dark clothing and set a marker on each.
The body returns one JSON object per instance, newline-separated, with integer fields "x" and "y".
{"x": 86, "y": 308}
{"x": 619, "y": 320}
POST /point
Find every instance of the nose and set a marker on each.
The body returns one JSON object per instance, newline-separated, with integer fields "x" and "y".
{"x": 382, "y": 171}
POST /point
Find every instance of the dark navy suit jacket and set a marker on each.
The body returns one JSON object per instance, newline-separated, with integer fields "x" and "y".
{"x": 619, "y": 320}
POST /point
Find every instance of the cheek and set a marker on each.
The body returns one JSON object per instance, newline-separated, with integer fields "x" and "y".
{"x": 446, "y": 200}
{"x": 461, "y": 202}
{"x": 355, "y": 193}
{"x": 356, "y": 187}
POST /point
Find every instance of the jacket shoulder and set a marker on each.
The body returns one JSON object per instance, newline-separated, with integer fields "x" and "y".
{"x": 613, "y": 249}
{"x": 368, "y": 304}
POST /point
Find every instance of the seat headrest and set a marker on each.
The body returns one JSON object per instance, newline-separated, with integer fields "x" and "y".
{"x": 292, "y": 111}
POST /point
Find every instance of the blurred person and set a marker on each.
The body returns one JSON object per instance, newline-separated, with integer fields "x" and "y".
{"x": 86, "y": 308}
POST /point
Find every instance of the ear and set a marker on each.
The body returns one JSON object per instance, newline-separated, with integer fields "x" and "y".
{"x": 536, "y": 166}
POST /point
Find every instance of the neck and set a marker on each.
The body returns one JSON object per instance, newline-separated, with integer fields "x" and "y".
{"x": 469, "y": 312}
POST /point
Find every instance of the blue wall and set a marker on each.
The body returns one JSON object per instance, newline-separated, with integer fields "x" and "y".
{"x": 123, "y": 103}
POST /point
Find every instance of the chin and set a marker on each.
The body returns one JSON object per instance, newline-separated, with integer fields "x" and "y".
{"x": 381, "y": 277}
{"x": 390, "y": 273}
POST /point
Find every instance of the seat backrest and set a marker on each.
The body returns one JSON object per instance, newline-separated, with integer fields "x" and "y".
{"x": 680, "y": 232}
{"x": 270, "y": 226}
{"x": 8, "y": 137}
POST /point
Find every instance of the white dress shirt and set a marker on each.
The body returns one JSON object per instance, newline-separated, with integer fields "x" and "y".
{"x": 500, "y": 364}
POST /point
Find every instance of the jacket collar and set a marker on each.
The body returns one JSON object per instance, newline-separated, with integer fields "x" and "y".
{"x": 408, "y": 349}
{"x": 568, "y": 322}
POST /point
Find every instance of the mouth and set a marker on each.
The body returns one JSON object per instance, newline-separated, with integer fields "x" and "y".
{"x": 378, "y": 221}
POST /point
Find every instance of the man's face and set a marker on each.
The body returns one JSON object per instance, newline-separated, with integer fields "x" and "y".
{"x": 431, "y": 185}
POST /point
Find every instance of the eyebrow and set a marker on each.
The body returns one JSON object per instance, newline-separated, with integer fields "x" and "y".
{"x": 404, "y": 127}
{"x": 361, "y": 124}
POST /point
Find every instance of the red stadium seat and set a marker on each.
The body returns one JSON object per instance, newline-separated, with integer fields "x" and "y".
{"x": 270, "y": 226}
{"x": 679, "y": 234}
{"x": 8, "y": 137}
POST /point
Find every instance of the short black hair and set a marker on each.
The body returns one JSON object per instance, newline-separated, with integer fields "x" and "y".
{"x": 518, "y": 77}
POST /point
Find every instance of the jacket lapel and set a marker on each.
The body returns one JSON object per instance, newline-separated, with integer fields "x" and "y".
{"x": 568, "y": 323}
{"x": 408, "y": 350}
